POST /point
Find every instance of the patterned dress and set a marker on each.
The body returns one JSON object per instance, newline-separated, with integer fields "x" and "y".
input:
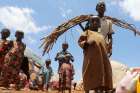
{"x": 5, "y": 46}
{"x": 66, "y": 75}
{"x": 12, "y": 63}
{"x": 61, "y": 57}
{"x": 65, "y": 70}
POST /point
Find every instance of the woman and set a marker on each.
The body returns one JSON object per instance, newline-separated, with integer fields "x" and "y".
{"x": 97, "y": 72}
{"x": 5, "y": 46}
{"x": 13, "y": 60}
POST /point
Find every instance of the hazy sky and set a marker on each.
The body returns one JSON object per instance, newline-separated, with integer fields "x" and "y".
{"x": 37, "y": 18}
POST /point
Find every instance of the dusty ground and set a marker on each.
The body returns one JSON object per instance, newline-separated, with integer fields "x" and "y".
{"x": 2, "y": 90}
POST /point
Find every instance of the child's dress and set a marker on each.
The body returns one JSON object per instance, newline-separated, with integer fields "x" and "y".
{"x": 47, "y": 73}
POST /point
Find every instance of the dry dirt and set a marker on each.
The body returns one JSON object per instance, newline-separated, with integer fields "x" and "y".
{"x": 2, "y": 90}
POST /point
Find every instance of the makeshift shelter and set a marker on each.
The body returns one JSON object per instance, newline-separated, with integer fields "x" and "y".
{"x": 35, "y": 62}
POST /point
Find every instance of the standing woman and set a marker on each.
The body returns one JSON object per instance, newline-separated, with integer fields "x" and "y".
{"x": 13, "y": 60}
{"x": 5, "y": 46}
{"x": 97, "y": 72}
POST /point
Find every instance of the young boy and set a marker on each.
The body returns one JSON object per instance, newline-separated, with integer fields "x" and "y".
{"x": 47, "y": 74}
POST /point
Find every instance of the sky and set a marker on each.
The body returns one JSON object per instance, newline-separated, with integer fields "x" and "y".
{"x": 37, "y": 18}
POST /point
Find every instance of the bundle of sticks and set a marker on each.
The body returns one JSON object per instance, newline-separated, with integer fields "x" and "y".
{"x": 49, "y": 40}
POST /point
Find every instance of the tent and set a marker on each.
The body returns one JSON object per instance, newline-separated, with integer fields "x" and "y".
{"x": 34, "y": 62}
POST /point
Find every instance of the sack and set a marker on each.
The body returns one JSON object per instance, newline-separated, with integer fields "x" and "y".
{"x": 133, "y": 84}
{"x": 128, "y": 84}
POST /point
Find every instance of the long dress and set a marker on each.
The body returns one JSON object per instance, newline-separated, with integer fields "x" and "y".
{"x": 66, "y": 75}
{"x": 12, "y": 63}
{"x": 47, "y": 73}
{"x": 97, "y": 70}
{"x": 5, "y": 46}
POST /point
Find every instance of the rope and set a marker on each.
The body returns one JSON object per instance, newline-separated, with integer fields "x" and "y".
{"x": 48, "y": 55}
{"x": 75, "y": 41}
{"x": 65, "y": 40}
{"x": 72, "y": 34}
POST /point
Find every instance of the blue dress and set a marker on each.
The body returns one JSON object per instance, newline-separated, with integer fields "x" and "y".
{"x": 47, "y": 72}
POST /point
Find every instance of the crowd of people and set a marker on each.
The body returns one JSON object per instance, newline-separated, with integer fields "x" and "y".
{"x": 14, "y": 65}
{"x": 11, "y": 56}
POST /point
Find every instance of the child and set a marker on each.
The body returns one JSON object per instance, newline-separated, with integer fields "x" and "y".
{"x": 47, "y": 74}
